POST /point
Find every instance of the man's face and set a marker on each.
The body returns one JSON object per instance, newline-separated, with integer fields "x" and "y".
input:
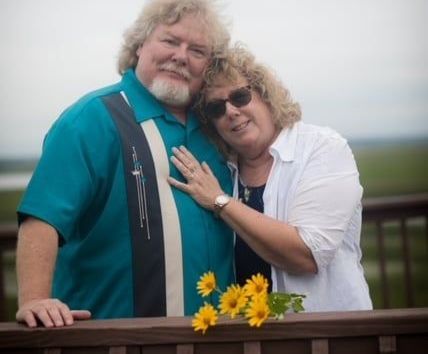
{"x": 172, "y": 60}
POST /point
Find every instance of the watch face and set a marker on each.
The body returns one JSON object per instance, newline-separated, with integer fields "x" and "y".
{"x": 222, "y": 199}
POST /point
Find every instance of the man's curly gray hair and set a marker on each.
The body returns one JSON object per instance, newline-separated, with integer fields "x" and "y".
{"x": 169, "y": 12}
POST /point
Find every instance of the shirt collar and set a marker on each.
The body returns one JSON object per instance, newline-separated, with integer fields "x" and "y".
{"x": 145, "y": 105}
{"x": 284, "y": 147}
{"x": 285, "y": 144}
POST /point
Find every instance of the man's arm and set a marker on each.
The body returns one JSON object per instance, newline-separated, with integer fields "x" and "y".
{"x": 36, "y": 256}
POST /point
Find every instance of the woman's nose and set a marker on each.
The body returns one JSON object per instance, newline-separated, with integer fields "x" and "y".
{"x": 231, "y": 110}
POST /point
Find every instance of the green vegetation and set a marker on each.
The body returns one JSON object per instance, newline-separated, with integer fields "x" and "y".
{"x": 9, "y": 201}
{"x": 393, "y": 170}
{"x": 384, "y": 170}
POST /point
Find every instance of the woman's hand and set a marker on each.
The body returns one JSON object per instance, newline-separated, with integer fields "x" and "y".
{"x": 201, "y": 184}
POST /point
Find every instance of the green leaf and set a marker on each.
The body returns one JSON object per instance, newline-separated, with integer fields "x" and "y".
{"x": 279, "y": 303}
{"x": 298, "y": 304}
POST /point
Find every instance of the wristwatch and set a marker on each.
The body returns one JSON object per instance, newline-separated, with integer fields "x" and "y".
{"x": 220, "y": 202}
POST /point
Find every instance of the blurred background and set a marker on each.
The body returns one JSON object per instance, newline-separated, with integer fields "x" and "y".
{"x": 358, "y": 66}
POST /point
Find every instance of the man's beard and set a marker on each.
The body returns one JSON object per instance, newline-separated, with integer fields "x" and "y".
{"x": 170, "y": 93}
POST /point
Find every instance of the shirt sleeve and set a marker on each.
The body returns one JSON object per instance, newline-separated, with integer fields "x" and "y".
{"x": 327, "y": 197}
{"x": 73, "y": 169}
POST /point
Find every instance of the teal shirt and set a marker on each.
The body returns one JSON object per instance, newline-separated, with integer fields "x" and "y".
{"x": 79, "y": 188}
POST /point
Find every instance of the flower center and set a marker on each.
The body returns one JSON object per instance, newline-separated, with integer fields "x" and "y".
{"x": 260, "y": 314}
{"x": 233, "y": 303}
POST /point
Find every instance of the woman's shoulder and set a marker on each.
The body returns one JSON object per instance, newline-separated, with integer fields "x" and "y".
{"x": 318, "y": 135}
{"x": 317, "y": 131}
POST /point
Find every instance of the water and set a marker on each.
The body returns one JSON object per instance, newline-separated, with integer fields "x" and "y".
{"x": 14, "y": 181}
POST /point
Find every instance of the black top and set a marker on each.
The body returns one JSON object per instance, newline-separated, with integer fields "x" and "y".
{"x": 247, "y": 262}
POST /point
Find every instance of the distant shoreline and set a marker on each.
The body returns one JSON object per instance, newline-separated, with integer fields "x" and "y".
{"x": 387, "y": 142}
{"x": 14, "y": 181}
{"x": 24, "y": 165}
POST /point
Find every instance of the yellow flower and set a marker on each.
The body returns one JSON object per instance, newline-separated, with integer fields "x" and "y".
{"x": 257, "y": 312}
{"x": 207, "y": 316}
{"x": 207, "y": 284}
{"x": 256, "y": 286}
{"x": 232, "y": 301}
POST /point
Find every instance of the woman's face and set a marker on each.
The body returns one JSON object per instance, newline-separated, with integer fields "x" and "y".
{"x": 248, "y": 129}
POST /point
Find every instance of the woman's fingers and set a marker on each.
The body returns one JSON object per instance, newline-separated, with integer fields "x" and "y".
{"x": 187, "y": 153}
{"x": 202, "y": 185}
{"x": 207, "y": 169}
{"x": 180, "y": 185}
{"x": 186, "y": 172}
{"x": 186, "y": 158}
{"x": 186, "y": 163}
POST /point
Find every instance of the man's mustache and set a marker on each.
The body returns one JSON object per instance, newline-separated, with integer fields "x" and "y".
{"x": 176, "y": 70}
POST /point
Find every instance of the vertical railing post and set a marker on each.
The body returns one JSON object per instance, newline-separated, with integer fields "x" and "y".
{"x": 2, "y": 289}
{"x": 426, "y": 231}
{"x": 407, "y": 263}
{"x": 382, "y": 264}
{"x": 7, "y": 242}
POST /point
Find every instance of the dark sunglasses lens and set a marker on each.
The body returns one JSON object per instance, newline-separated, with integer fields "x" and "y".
{"x": 215, "y": 109}
{"x": 240, "y": 97}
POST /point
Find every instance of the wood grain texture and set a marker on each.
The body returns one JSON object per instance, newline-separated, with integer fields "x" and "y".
{"x": 387, "y": 344}
{"x": 172, "y": 335}
{"x": 319, "y": 346}
{"x": 252, "y": 348}
{"x": 185, "y": 349}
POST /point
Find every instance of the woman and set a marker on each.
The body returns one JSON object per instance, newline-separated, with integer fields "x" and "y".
{"x": 297, "y": 197}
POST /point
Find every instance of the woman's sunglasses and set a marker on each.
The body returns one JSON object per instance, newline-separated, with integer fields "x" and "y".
{"x": 217, "y": 108}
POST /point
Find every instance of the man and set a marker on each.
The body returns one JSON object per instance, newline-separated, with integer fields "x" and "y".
{"x": 100, "y": 228}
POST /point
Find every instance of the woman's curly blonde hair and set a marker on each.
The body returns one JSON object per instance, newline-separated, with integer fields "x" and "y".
{"x": 238, "y": 64}
{"x": 169, "y": 12}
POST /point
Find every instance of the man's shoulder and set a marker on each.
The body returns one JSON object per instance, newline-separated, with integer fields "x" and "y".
{"x": 88, "y": 105}
{"x": 94, "y": 97}
{"x": 87, "y": 114}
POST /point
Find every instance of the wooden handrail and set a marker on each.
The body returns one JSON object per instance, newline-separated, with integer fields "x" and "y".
{"x": 395, "y": 207}
{"x": 377, "y": 330}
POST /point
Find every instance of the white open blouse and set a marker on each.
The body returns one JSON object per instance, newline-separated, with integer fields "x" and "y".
{"x": 314, "y": 186}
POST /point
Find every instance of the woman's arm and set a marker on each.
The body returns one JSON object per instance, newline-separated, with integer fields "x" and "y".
{"x": 276, "y": 242}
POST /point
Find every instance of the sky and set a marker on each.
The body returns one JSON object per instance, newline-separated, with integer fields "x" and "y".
{"x": 358, "y": 66}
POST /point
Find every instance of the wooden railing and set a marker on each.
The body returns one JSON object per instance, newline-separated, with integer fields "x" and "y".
{"x": 378, "y": 331}
{"x": 7, "y": 242}
{"x": 401, "y": 210}
{"x": 375, "y": 210}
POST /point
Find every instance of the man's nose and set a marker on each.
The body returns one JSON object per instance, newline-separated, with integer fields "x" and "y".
{"x": 180, "y": 55}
